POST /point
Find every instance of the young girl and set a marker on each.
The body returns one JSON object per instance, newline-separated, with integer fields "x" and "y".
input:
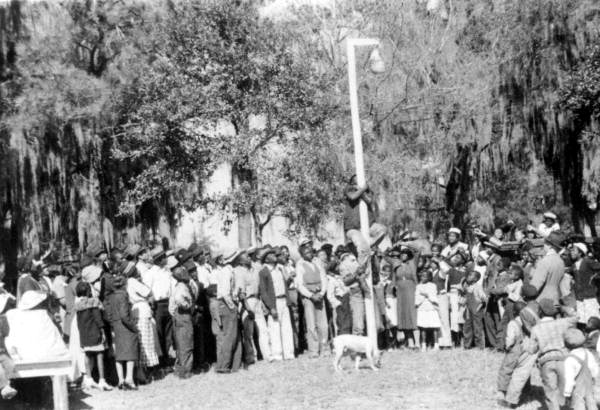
{"x": 91, "y": 334}
{"x": 427, "y": 313}
{"x": 118, "y": 314}
{"x": 391, "y": 309}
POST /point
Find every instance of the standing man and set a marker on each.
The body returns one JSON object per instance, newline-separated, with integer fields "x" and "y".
{"x": 547, "y": 340}
{"x": 205, "y": 339}
{"x": 312, "y": 285}
{"x": 549, "y": 271}
{"x": 160, "y": 281}
{"x": 245, "y": 289}
{"x": 225, "y": 324}
{"x": 289, "y": 272}
{"x": 272, "y": 293}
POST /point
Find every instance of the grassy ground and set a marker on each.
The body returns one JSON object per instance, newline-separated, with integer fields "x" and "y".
{"x": 409, "y": 380}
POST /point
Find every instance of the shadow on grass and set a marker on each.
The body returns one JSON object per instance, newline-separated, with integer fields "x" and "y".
{"x": 36, "y": 394}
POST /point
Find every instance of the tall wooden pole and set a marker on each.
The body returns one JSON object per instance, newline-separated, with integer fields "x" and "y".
{"x": 360, "y": 172}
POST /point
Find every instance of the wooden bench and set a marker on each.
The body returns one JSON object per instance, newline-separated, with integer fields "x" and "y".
{"x": 57, "y": 369}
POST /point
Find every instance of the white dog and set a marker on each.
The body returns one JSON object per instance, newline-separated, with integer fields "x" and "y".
{"x": 355, "y": 347}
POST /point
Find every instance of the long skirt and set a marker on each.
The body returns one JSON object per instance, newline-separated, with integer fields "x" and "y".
{"x": 407, "y": 311}
{"x": 147, "y": 338}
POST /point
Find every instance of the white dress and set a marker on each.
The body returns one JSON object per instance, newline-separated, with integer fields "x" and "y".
{"x": 426, "y": 301}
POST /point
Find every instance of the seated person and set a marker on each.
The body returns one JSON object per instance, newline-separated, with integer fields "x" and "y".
{"x": 33, "y": 335}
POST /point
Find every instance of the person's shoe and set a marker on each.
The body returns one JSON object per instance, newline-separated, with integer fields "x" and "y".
{"x": 8, "y": 392}
{"x": 130, "y": 386}
{"x": 499, "y": 396}
{"x": 423, "y": 348}
{"x": 88, "y": 383}
{"x": 121, "y": 386}
{"x": 507, "y": 405}
{"x": 102, "y": 385}
{"x": 436, "y": 347}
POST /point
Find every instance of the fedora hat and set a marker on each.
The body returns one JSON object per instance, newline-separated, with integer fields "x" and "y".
{"x": 157, "y": 253}
{"x": 132, "y": 250}
{"x": 262, "y": 253}
{"x": 195, "y": 250}
{"x": 556, "y": 239}
{"x": 550, "y": 215}
{"x": 172, "y": 262}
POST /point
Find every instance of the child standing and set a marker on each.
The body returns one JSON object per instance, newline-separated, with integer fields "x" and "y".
{"x": 580, "y": 372}
{"x": 91, "y": 334}
{"x": 391, "y": 308}
{"x": 513, "y": 349}
{"x": 125, "y": 338}
{"x": 7, "y": 392}
{"x": 427, "y": 313}
{"x": 475, "y": 300}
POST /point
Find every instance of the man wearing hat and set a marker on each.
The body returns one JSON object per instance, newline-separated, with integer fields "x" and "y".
{"x": 584, "y": 270}
{"x": 226, "y": 324}
{"x": 454, "y": 243}
{"x": 289, "y": 272}
{"x": 548, "y": 225}
{"x": 160, "y": 281}
{"x": 205, "y": 342}
{"x": 272, "y": 292}
{"x": 547, "y": 341}
{"x": 549, "y": 271}
{"x": 312, "y": 285}
{"x": 581, "y": 372}
{"x": 353, "y": 196}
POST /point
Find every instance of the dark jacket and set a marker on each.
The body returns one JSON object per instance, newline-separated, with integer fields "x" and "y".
{"x": 118, "y": 309}
{"x": 89, "y": 321}
{"x": 266, "y": 290}
{"x": 583, "y": 286}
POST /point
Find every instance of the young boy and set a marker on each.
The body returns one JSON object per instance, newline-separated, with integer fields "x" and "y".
{"x": 513, "y": 348}
{"x": 476, "y": 299}
{"x": 6, "y": 364}
{"x": 580, "y": 372}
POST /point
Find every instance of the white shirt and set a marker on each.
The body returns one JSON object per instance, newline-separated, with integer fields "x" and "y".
{"x": 160, "y": 281}
{"x": 544, "y": 231}
{"x": 572, "y": 367}
{"x": 450, "y": 249}
{"x": 205, "y": 275}
{"x": 301, "y": 266}
{"x": 224, "y": 279}
{"x": 138, "y": 296}
{"x": 278, "y": 282}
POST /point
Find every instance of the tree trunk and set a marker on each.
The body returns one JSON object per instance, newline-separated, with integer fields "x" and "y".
{"x": 240, "y": 175}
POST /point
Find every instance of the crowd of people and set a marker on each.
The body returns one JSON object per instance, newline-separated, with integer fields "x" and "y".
{"x": 129, "y": 316}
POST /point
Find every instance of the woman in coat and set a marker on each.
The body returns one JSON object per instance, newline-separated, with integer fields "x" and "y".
{"x": 124, "y": 330}
{"x": 405, "y": 282}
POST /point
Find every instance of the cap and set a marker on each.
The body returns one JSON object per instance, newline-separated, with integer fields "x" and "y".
{"x": 582, "y": 247}
{"x": 455, "y": 231}
{"x": 574, "y": 338}
{"x": 547, "y": 307}
{"x": 550, "y": 215}
{"x": 529, "y": 291}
